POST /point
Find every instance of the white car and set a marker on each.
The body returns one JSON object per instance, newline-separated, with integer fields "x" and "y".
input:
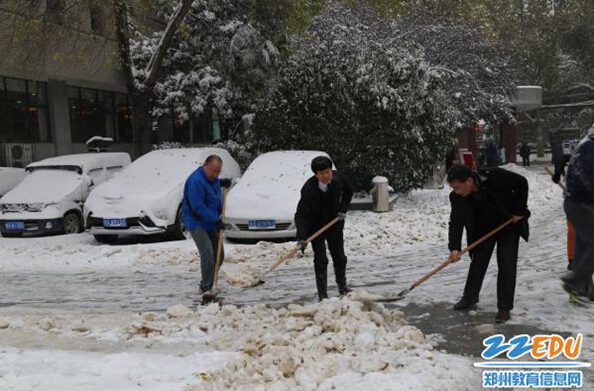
{"x": 145, "y": 199}
{"x": 262, "y": 205}
{"x": 10, "y": 178}
{"x": 50, "y": 199}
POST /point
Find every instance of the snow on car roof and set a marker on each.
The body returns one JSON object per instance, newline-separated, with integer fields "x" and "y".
{"x": 270, "y": 187}
{"x": 85, "y": 161}
{"x": 157, "y": 168}
{"x": 271, "y": 165}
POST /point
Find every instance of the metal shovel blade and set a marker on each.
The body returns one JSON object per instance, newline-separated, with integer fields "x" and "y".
{"x": 399, "y": 296}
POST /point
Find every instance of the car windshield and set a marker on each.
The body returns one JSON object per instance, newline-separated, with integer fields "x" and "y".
{"x": 293, "y": 167}
{"x": 77, "y": 169}
{"x": 160, "y": 168}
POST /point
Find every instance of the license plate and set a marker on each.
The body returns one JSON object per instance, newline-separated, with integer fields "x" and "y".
{"x": 115, "y": 223}
{"x": 14, "y": 225}
{"x": 261, "y": 224}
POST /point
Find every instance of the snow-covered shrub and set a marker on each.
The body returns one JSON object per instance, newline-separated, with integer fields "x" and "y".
{"x": 166, "y": 145}
{"x": 240, "y": 152}
{"x": 376, "y": 109}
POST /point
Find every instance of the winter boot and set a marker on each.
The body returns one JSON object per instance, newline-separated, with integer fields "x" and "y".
{"x": 465, "y": 303}
{"x": 340, "y": 275}
{"x": 322, "y": 284}
{"x": 502, "y": 316}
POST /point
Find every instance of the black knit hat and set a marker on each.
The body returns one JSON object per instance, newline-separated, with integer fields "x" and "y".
{"x": 320, "y": 163}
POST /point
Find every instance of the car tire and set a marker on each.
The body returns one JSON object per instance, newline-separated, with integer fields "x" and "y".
{"x": 12, "y": 234}
{"x": 107, "y": 239}
{"x": 178, "y": 230}
{"x": 71, "y": 224}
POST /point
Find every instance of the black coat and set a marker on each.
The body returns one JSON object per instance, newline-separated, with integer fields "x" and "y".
{"x": 580, "y": 175}
{"x": 316, "y": 209}
{"x": 501, "y": 194}
{"x": 525, "y": 150}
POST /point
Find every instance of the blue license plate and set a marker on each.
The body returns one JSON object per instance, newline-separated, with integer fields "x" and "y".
{"x": 14, "y": 225}
{"x": 115, "y": 223}
{"x": 261, "y": 224}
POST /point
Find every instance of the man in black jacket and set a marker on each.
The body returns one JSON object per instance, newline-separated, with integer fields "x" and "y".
{"x": 579, "y": 207}
{"x": 480, "y": 203}
{"x": 324, "y": 196}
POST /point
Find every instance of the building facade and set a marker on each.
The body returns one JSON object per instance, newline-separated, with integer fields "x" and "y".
{"x": 60, "y": 84}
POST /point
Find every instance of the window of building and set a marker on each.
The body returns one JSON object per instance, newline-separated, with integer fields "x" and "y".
{"x": 200, "y": 129}
{"x": 123, "y": 118}
{"x": 23, "y": 111}
{"x": 55, "y": 11}
{"x": 99, "y": 113}
{"x": 97, "y": 18}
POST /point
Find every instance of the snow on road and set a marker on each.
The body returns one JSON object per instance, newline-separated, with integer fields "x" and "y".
{"x": 69, "y": 302}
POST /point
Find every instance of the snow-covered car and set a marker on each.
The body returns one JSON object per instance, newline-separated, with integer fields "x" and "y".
{"x": 145, "y": 198}
{"x": 50, "y": 199}
{"x": 10, "y": 178}
{"x": 262, "y": 204}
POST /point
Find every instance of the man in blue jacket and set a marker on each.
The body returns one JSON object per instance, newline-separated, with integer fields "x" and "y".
{"x": 201, "y": 212}
{"x": 579, "y": 208}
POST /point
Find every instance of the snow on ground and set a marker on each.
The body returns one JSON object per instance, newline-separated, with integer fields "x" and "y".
{"x": 339, "y": 344}
{"x": 418, "y": 217}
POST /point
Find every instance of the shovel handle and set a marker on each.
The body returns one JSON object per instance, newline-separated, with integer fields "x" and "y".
{"x": 292, "y": 252}
{"x": 466, "y": 249}
{"x": 220, "y": 241}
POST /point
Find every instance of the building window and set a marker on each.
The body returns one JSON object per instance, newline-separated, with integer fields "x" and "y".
{"x": 23, "y": 111}
{"x": 200, "y": 129}
{"x": 55, "y": 11}
{"x": 97, "y": 18}
{"x": 123, "y": 118}
{"x": 99, "y": 113}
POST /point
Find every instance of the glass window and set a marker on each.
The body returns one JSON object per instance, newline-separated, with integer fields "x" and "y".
{"x": 55, "y": 10}
{"x": 99, "y": 113}
{"x": 203, "y": 128}
{"x": 23, "y": 111}
{"x": 181, "y": 131}
{"x": 4, "y": 119}
{"x": 97, "y": 18}
{"x": 199, "y": 130}
{"x": 123, "y": 118}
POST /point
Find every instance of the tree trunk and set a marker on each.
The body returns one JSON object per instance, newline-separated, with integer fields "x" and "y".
{"x": 141, "y": 101}
{"x": 141, "y": 142}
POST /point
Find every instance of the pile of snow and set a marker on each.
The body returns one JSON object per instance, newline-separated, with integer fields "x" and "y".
{"x": 337, "y": 343}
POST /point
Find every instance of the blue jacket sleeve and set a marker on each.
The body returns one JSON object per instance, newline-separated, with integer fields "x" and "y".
{"x": 196, "y": 195}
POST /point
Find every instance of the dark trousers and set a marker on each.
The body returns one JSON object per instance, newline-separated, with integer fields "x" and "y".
{"x": 507, "y": 261}
{"x": 525, "y": 161}
{"x": 335, "y": 242}
{"x": 582, "y": 218}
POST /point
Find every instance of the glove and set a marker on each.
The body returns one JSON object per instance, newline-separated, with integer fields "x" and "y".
{"x": 220, "y": 225}
{"x": 341, "y": 216}
{"x": 225, "y": 182}
{"x": 303, "y": 245}
{"x": 556, "y": 177}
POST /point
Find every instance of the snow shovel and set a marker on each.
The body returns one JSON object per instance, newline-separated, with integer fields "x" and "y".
{"x": 443, "y": 265}
{"x": 290, "y": 254}
{"x": 551, "y": 174}
{"x": 220, "y": 242}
